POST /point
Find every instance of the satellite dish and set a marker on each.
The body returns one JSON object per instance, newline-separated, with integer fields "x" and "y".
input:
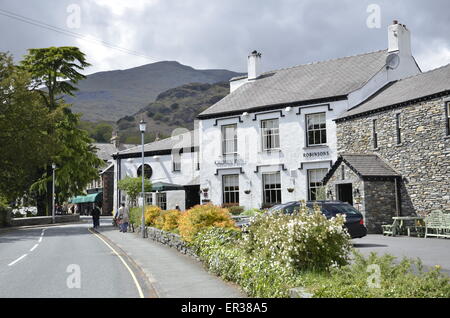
{"x": 392, "y": 61}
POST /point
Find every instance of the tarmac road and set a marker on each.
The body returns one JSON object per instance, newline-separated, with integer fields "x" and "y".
{"x": 67, "y": 261}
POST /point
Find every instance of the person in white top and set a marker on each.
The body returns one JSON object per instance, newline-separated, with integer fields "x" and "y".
{"x": 124, "y": 218}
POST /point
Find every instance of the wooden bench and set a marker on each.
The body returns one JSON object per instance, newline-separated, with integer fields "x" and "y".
{"x": 437, "y": 224}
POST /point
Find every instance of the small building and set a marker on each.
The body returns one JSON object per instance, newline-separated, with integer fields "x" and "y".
{"x": 171, "y": 164}
{"x": 395, "y": 150}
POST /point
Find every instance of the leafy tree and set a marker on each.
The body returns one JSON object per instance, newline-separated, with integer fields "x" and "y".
{"x": 24, "y": 122}
{"x": 54, "y": 72}
{"x": 102, "y": 132}
{"x": 133, "y": 186}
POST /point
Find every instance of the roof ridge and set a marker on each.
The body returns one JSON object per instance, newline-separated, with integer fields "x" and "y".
{"x": 423, "y": 73}
{"x": 324, "y": 61}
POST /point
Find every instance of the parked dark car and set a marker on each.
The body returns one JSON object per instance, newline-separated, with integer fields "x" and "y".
{"x": 354, "y": 219}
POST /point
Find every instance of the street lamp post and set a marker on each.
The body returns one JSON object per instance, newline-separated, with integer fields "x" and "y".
{"x": 53, "y": 193}
{"x": 142, "y": 128}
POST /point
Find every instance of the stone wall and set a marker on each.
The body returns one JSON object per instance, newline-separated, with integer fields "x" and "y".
{"x": 423, "y": 157}
{"x": 44, "y": 220}
{"x": 170, "y": 239}
{"x": 379, "y": 204}
{"x": 108, "y": 192}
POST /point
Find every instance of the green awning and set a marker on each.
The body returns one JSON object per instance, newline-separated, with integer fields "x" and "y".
{"x": 163, "y": 186}
{"x": 90, "y": 198}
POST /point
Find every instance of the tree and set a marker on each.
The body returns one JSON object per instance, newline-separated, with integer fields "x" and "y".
{"x": 54, "y": 72}
{"x": 133, "y": 186}
{"x": 24, "y": 122}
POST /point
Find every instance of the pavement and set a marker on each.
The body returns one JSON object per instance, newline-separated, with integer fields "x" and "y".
{"x": 432, "y": 251}
{"x": 171, "y": 273}
{"x": 65, "y": 261}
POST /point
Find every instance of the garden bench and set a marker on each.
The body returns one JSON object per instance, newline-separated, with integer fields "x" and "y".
{"x": 437, "y": 224}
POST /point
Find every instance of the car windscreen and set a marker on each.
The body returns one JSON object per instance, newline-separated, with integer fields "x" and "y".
{"x": 335, "y": 209}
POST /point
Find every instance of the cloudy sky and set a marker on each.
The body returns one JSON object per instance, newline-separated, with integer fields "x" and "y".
{"x": 221, "y": 33}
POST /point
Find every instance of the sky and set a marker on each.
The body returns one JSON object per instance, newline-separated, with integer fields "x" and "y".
{"x": 219, "y": 34}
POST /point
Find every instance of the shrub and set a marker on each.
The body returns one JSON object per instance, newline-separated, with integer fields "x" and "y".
{"x": 397, "y": 279}
{"x": 201, "y": 217}
{"x": 301, "y": 241}
{"x": 251, "y": 212}
{"x": 168, "y": 220}
{"x": 136, "y": 216}
{"x": 151, "y": 214}
{"x": 236, "y": 210}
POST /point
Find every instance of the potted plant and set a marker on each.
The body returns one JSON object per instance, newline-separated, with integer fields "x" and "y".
{"x": 247, "y": 191}
{"x": 290, "y": 190}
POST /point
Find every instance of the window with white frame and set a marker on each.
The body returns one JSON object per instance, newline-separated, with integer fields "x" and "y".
{"x": 229, "y": 142}
{"x": 271, "y": 189}
{"x": 161, "y": 200}
{"x": 270, "y": 131}
{"x": 316, "y": 129}
{"x": 230, "y": 189}
{"x": 316, "y": 189}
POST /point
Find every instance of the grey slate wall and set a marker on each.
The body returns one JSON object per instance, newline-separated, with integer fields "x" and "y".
{"x": 423, "y": 157}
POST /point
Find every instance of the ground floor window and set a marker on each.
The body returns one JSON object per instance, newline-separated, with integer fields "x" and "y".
{"x": 316, "y": 189}
{"x": 271, "y": 189}
{"x": 230, "y": 189}
{"x": 161, "y": 200}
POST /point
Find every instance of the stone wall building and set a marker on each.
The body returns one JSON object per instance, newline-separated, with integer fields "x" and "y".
{"x": 406, "y": 125}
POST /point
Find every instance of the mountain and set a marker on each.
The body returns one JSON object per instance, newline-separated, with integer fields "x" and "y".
{"x": 174, "y": 108}
{"x": 108, "y": 96}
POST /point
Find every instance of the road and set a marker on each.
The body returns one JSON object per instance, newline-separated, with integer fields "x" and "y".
{"x": 67, "y": 261}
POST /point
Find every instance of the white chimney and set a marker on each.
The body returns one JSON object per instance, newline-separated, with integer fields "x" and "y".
{"x": 254, "y": 65}
{"x": 399, "y": 39}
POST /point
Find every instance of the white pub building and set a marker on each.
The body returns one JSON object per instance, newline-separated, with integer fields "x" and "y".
{"x": 273, "y": 138}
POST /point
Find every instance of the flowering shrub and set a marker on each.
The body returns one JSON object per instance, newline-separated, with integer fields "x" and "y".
{"x": 168, "y": 220}
{"x": 151, "y": 213}
{"x": 300, "y": 241}
{"x": 251, "y": 212}
{"x": 201, "y": 217}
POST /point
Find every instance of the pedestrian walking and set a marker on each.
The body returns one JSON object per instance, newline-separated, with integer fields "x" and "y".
{"x": 124, "y": 218}
{"x": 96, "y": 216}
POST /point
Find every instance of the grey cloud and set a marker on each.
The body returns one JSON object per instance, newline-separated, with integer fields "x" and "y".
{"x": 219, "y": 34}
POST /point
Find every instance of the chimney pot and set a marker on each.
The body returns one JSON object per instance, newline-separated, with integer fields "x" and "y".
{"x": 395, "y": 22}
{"x": 254, "y": 61}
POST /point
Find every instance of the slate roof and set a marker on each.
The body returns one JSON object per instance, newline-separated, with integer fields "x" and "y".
{"x": 105, "y": 151}
{"x": 308, "y": 82}
{"x": 405, "y": 90}
{"x": 187, "y": 140}
{"x": 364, "y": 165}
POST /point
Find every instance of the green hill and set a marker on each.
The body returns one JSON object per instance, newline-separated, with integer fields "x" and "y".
{"x": 172, "y": 109}
{"x": 108, "y": 96}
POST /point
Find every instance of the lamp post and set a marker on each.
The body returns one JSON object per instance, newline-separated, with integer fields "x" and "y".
{"x": 53, "y": 193}
{"x": 143, "y": 128}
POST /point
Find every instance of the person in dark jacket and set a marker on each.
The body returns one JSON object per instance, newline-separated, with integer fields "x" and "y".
{"x": 96, "y": 216}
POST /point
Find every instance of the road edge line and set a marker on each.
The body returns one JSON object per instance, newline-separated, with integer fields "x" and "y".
{"x": 138, "y": 286}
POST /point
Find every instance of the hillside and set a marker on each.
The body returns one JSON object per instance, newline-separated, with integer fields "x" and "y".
{"x": 172, "y": 109}
{"x": 108, "y": 96}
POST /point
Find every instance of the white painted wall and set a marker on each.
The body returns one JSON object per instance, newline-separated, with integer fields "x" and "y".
{"x": 292, "y": 148}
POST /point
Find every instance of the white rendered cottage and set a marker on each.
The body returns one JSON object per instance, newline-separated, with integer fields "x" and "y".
{"x": 273, "y": 138}
{"x": 171, "y": 165}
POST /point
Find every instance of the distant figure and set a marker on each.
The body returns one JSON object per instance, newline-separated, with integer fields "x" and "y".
{"x": 124, "y": 218}
{"x": 96, "y": 216}
{"x": 177, "y": 207}
{"x": 72, "y": 209}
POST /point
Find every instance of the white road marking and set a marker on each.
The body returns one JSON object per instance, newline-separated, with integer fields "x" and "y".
{"x": 141, "y": 294}
{"x": 20, "y": 258}
{"x": 34, "y": 247}
{"x": 40, "y": 239}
